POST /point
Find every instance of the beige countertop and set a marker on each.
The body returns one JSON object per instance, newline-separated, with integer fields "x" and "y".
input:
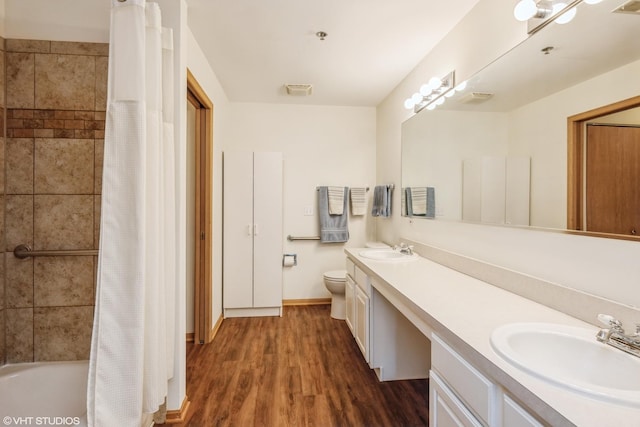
{"x": 464, "y": 311}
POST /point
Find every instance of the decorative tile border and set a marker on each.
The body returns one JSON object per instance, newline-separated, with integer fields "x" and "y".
{"x": 29, "y": 123}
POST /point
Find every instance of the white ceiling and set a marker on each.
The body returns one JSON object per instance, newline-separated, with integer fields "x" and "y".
{"x": 257, "y": 46}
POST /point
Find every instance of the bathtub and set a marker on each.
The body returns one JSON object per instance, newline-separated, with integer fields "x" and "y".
{"x": 44, "y": 394}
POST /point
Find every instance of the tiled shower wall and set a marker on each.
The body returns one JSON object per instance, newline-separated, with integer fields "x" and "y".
{"x": 2, "y": 203}
{"x": 55, "y": 108}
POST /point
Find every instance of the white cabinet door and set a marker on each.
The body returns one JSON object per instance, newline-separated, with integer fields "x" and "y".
{"x": 362, "y": 322}
{"x": 445, "y": 410}
{"x": 252, "y": 245}
{"x": 349, "y": 297}
{"x": 238, "y": 230}
{"x": 514, "y": 415}
{"x": 267, "y": 230}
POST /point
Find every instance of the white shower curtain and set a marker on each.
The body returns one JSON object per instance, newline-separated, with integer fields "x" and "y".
{"x": 133, "y": 332}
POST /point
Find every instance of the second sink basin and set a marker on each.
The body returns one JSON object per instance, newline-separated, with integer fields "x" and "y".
{"x": 386, "y": 255}
{"x": 572, "y": 358}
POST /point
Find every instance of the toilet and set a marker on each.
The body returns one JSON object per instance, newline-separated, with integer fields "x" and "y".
{"x": 335, "y": 282}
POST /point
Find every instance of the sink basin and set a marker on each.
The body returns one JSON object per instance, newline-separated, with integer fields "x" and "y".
{"x": 572, "y": 358}
{"x": 386, "y": 255}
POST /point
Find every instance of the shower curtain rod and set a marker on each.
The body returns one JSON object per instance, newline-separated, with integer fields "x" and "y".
{"x": 25, "y": 251}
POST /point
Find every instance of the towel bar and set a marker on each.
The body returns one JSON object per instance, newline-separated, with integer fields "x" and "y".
{"x": 291, "y": 238}
{"x": 25, "y": 251}
{"x": 366, "y": 188}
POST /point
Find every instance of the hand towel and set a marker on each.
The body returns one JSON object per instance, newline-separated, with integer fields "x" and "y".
{"x": 333, "y": 228}
{"x": 358, "y": 201}
{"x": 381, "y": 201}
{"x": 419, "y": 201}
{"x": 337, "y": 197}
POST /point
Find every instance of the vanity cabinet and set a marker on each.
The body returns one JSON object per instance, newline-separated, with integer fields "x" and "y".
{"x": 461, "y": 395}
{"x": 362, "y": 307}
{"x": 350, "y": 308}
{"x": 362, "y": 321}
{"x": 514, "y": 415}
{"x": 445, "y": 409}
{"x": 252, "y": 242}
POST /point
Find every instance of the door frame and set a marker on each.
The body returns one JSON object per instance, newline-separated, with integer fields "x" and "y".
{"x": 203, "y": 209}
{"x": 576, "y": 133}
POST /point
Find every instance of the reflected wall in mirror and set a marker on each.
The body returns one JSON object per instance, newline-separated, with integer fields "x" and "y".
{"x": 517, "y": 107}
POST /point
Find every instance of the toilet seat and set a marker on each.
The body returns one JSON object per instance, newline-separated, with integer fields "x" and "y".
{"x": 336, "y": 275}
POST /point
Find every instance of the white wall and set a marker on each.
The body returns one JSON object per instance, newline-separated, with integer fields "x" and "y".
{"x": 603, "y": 267}
{"x": 322, "y": 145}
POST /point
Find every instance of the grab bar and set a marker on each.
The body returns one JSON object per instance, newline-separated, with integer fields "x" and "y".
{"x": 25, "y": 251}
{"x": 292, "y": 238}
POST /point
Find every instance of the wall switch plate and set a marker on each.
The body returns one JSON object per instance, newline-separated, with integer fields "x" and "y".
{"x": 308, "y": 211}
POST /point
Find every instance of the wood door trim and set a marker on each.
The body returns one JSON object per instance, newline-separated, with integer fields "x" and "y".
{"x": 204, "y": 211}
{"x": 575, "y": 160}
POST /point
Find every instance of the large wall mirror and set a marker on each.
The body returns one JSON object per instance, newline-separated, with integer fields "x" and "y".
{"x": 497, "y": 152}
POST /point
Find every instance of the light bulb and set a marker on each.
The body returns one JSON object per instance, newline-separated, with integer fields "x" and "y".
{"x": 462, "y": 86}
{"x": 525, "y": 10}
{"x": 450, "y": 93}
{"x": 592, "y": 1}
{"x": 425, "y": 90}
{"x": 416, "y": 98}
{"x": 408, "y": 104}
{"x": 435, "y": 83}
{"x": 431, "y": 106}
{"x": 439, "y": 101}
{"x": 565, "y": 17}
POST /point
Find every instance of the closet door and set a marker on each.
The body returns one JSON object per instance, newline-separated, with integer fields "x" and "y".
{"x": 238, "y": 230}
{"x": 267, "y": 246}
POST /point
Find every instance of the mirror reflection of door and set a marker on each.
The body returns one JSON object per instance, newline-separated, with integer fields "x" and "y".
{"x": 613, "y": 179}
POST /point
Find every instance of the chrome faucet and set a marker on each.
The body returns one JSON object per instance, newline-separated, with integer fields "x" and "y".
{"x": 616, "y": 337}
{"x": 404, "y": 248}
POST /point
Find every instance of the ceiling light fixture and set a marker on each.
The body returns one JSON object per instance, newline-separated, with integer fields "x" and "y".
{"x": 431, "y": 94}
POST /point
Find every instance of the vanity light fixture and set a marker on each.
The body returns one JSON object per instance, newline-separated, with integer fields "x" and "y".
{"x": 431, "y": 94}
{"x": 539, "y": 13}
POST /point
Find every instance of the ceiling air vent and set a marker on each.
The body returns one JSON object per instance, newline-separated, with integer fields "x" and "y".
{"x": 299, "y": 90}
{"x": 475, "y": 97}
{"x": 632, "y": 7}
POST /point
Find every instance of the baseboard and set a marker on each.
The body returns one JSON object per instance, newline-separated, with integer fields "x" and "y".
{"x": 312, "y": 301}
{"x": 214, "y": 331}
{"x": 191, "y": 336}
{"x": 178, "y": 415}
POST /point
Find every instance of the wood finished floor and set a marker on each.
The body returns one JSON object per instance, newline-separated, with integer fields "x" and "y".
{"x": 303, "y": 369}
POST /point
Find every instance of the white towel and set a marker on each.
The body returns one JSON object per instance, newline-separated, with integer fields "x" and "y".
{"x": 336, "y": 200}
{"x": 419, "y": 200}
{"x": 358, "y": 201}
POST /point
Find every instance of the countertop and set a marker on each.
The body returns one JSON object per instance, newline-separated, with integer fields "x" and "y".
{"x": 465, "y": 311}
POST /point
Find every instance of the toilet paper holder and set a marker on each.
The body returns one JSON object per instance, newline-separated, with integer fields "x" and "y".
{"x": 287, "y": 260}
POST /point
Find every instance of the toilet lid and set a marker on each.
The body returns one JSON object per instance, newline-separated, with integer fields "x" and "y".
{"x": 336, "y": 275}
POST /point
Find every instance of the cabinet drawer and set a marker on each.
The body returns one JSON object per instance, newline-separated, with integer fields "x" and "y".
{"x": 362, "y": 280}
{"x": 473, "y": 388}
{"x": 351, "y": 268}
